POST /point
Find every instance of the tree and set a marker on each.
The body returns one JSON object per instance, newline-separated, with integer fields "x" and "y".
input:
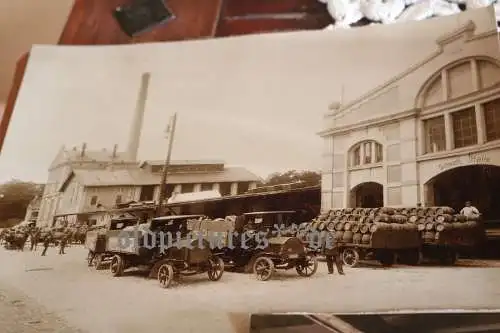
{"x": 308, "y": 178}
{"x": 15, "y": 197}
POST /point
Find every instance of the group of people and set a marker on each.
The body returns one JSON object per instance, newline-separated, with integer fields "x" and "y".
{"x": 49, "y": 238}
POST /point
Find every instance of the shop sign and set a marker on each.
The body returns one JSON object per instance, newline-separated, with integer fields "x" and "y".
{"x": 470, "y": 159}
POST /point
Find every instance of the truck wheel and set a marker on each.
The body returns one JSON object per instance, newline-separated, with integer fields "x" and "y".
{"x": 308, "y": 267}
{"x": 165, "y": 275}
{"x": 350, "y": 257}
{"x": 263, "y": 268}
{"x": 117, "y": 266}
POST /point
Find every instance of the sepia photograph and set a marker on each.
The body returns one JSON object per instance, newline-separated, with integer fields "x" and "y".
{"x": 388, "y": 146}
{"x": 466, "y": 322}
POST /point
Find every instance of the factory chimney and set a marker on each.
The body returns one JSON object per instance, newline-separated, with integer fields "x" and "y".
{"x": 135, "y": 130}
{"x": 84, "y": 147}
{"x": 115, "y": 149}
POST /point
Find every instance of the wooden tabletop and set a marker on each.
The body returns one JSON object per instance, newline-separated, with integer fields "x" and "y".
{"x": 91, "y": 22}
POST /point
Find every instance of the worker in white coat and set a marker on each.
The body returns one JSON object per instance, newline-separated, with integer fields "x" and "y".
{"x": 470, "y": 211}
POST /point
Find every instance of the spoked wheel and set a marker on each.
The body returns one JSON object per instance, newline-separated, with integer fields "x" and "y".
{"x": 165, "y": 275}
{"x": 215, "y": 269}
{"x": 98, "y": 261}
{"x": 90, "y": 258}
{"x": 308, "y": 267}
{"x": 263, "y": 268}
{"x": 117, "y": 266}
{"x": 350, "y": 257}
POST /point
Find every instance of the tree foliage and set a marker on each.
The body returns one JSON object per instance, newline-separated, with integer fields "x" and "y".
{"x": 308, "y": 178}
{"x": 15, "y": 197}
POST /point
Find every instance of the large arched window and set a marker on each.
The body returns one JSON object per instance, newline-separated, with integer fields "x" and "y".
{"x": 366, "y": 153}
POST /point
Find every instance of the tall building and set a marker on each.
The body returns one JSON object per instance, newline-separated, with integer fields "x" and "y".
{"x": 430, "y": 135}
{"x": 83, "y": 181}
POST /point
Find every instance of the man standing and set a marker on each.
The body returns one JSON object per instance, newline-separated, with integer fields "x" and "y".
{"x": 470, "y": 211}
{"x": 46, "y": 243}
{"x": 331, "y": 252}
{"x": 62, "y": 243}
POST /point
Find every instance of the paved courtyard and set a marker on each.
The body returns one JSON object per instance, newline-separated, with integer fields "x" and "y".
{"x": 63, "y": 293}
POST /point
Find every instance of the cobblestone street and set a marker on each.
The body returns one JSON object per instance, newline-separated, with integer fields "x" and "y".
{"x": 95, "y": 302}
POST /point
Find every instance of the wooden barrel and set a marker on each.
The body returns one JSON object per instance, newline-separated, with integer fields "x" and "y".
{"x": 339, "y": 226}
{"x": 387, "y": 210}
{"x": 347, "y": 226}
{"x": 314, "y": 225}
{"x": 362, "y": 219}
{"x": 429, "y": 235}
{"x": 404, "y": 211}
{"x": 421, "y": 220}
{"x": 429, "y": 226}
{"x": 440, "y": 218}
{"x": 339, "y": 234}
{"x": 356, "y": 211}
{"x": 429, "y": 218}
{"x": 356, "y": 238}
{"x": 348, "y": 210}
{"x": 413, "y": 211}
{"x": 421, "y": 226}
{"x": 321, "y": 226}
{"x": 364, "y": 228}
{"x": 347, "y": 236}
{"x": 379, "y": 226}
{"x": 330, "y": 226}
{"x": 355, "y": 227}
{"x": 413, "y": 219}
{"x": 343, "y": 218}
{"x": 353, "y": 218}
{"x": 381, "y": 218}
{"x": 398, "y": 218}
{"x": 445, "y": 210}
{"x": 365, "y": 239}
{"x": 429, "y": 211}
{"x": 338, "y": 212}
{"x": 443, "y": 226}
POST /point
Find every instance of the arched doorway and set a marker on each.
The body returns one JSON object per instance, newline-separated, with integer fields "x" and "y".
{"x": 479, "y": 184}
{"x": 367, "y": 195}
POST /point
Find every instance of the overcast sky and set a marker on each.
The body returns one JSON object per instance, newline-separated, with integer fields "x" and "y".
{"x": 252, "y": 101}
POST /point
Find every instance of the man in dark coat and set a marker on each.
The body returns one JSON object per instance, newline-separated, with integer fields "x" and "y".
{"x": 46, "y": 243}
{"x": 331, "y": 252}
{"x": 62, "y": 243}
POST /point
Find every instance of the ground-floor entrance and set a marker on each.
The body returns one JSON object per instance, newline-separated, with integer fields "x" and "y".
{"x": 367, "y": 195}
{"x": 479, "y": 184}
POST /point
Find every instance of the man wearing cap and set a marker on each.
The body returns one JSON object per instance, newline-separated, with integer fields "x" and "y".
{"x": 331, "y": 252}
{"x": 470, "y": 211}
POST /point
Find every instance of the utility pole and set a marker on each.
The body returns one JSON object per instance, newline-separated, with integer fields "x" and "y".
{"x": 163, "y": 182}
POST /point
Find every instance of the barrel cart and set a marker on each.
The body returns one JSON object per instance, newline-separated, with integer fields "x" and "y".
{"x": 405, "y": 235}
{"x": 141, "y": 247}
{"x": 96, "y": 239}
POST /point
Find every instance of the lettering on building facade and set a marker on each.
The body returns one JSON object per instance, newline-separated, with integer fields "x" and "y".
{"x": 470, "y": 159}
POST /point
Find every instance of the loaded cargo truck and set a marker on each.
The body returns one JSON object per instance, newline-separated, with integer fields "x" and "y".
{"x": 400, "y": 235}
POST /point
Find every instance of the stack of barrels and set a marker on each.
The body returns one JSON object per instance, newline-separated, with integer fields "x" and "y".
{"x": 436, "y": 221}
{"x": 357, "y": 225}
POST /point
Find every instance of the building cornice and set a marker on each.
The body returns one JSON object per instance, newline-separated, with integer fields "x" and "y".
{"x": 379, "y": 121}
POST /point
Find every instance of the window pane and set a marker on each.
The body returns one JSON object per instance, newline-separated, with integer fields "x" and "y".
{"x": 357, "y": 156}
{"x": 464, "y": 127}
{"x": 492, "y": 120}
{"x": 435, "y": 135}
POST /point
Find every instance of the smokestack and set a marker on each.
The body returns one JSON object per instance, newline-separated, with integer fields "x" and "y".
{"x": 115, "y": 148}
{"x": 135, "y": 130}
{"x": 84, "y": 147}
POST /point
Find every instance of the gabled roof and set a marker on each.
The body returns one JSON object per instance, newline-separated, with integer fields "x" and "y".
{"x": 136, "y": 176}
{"x": 466, "y": 30}
{"x": 182, "y": 162}
{"x": 75, "y": 155}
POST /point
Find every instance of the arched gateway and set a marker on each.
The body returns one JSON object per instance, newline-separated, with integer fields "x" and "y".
{"x": 478, "y": 183}
{"x": 367, "y": 195}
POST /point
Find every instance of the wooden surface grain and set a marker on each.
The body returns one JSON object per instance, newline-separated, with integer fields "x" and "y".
{"x": 91, "y": 22}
